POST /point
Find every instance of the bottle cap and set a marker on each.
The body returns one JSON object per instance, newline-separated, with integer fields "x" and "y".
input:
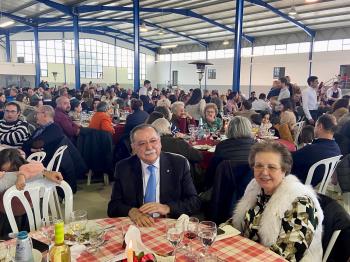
{"x": 59, "y": 232}
{"x": 22, "y": 235}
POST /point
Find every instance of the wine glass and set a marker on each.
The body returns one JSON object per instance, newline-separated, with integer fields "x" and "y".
{"x": 47, "y": 227}
{"x": 96, "y": 238}
{"x": 207, "y": 233}
{"x": 192, "y": 228}
{"x": 174, "y": 235}
{"x": 78, "y": 222}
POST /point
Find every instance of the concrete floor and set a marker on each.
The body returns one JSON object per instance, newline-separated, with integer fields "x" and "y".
{"x": 94, "y": 199}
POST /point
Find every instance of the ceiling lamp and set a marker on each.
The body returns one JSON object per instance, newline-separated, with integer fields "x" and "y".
{"x": 292, "y": 11}
{"x": 6, "y": 23}
{"x": 161, "y": 32}
{"x": 168, "y": 46}
{"x": 143, "y": 28}
{"x": 226, "y": 42}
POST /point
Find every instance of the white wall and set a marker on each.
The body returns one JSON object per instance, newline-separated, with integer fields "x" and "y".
{"x": 325, "y": 66}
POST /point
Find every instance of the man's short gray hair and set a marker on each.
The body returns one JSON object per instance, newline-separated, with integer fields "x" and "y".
{"x": 175, "y": 106}
{"x": 60, "y": 99}
{"x": 102, "y": 107}
{"x": 239, "y": 127}
{"x": 48, "y": 110}
{"x": 141, "y": 127}
{"x": 162, "y": 125}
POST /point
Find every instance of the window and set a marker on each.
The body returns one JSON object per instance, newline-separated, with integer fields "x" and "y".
{"x": 335, "y": 45}
{"x": 280, "y": 49}
{"x": 211, "y": 73}
{"x": 292, "y": 48}
{"x": 320, "y": 46}
{"x": 304, "y": 47}
{"x": 269, "y": 50}
{"x": 278, "y": 72}
{"x": 346, "y": 44}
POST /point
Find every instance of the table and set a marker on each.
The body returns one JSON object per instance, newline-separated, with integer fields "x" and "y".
{"x": 118, "y": 132}
{"x": 235, "y": 248}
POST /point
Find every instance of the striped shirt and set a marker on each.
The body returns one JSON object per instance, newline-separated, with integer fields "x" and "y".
{"x": 13, "y": 133}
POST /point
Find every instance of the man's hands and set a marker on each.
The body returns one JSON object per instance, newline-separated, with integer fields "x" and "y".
{"x": 311, "y": 121}
{"x": 141, "y": 217}
{"x": 154, "y": 207}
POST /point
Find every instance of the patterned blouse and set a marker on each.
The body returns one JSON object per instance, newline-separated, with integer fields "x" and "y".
{"x": 297, "y": 227}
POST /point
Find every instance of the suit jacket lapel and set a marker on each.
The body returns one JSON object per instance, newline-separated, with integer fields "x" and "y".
{"x": 137, "y": 174}
{"x": 165, "y": 173}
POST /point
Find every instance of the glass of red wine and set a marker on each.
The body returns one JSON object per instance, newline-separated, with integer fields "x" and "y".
{"x": 207, "y": 232}
{"x": 192, "y": 228}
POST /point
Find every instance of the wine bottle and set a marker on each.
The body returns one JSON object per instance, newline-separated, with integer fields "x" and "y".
{"x": 60, "y": 252}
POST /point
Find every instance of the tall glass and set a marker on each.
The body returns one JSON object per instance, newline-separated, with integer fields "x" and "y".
{"x": 48, "y": 227}
{"x": 191, "y": 231}
{"x": 207, "y": 233}
{"x": 78, "y": 223}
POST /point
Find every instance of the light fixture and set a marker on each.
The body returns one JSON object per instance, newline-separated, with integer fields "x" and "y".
{"x": 226, "y": 42}
{"x": 168, "y": 46}
{"x": 311, "y": 1}
{"x": 6, "y": 23}
{"x": 292, "y": 11}
{"x": 161, "y": 32}
{"x": 143, "y": 28}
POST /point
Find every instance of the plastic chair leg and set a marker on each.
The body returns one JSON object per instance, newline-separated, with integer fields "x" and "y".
{"x": 106, "y": 179}
{"x": 89, "y": 178}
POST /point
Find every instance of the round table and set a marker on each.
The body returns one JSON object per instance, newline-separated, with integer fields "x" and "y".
{"x": 236, "y": 248}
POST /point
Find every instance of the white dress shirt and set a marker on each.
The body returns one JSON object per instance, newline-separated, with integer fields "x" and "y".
{"x": 143, "y": 91}
{"x": 145, "y": 176}
{"x": 309, "y": 97}
{"x": 260, "y": 105}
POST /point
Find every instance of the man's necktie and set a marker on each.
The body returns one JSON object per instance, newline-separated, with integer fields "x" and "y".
{"x": 150, "y": 195}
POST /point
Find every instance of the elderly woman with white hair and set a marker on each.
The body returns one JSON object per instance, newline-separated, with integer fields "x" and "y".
{"x": 180, "y": 119}
{"x": 175, "y": 144}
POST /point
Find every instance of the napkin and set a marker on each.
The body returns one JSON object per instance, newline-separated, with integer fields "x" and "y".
{"x": 134, "y": 235}
{"x": 230, "y": 231}
{"x": 182, "y": 222}
{"x": 75, "y": 251}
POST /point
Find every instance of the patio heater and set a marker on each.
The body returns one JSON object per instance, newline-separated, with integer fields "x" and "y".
{"x": 54, "y": 74}
{"x": 200, "y": 65}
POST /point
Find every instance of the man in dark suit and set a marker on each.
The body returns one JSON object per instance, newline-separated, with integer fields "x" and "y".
{"x": 47, "y": 137}
{"x": 151, "y": 183}
{"x": 324, "y": 146}
{"x": 137, "y": 117}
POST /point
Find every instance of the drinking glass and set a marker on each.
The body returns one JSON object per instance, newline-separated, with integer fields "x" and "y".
{"x": 207, "y": 233}
{"x": 192, "y": 228}
{"x": 78, "y": 222}
{"x": 96, "y": 238}
{"x": 174, "y": 235}
{"x": 48, "y": 227}
{"x": 272, "y": 132}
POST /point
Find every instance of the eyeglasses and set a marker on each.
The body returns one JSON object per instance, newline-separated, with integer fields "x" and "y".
{"x": 11, "y": 111}
{"x": 270, "y": 168}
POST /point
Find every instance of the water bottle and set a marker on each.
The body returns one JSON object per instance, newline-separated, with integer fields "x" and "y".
{"x": 200, "y": 129}
{"x": 24, "y": 248}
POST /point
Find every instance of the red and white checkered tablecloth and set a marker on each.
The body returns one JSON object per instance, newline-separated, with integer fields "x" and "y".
{"x": 231, "y": 249}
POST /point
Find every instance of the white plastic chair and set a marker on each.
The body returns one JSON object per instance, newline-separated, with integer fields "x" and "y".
{"x": 346, "y": 199}
{"x": 40, "y": 192}
{"x": 330, "y": 245}
{"x": 297, "y": 130}
{"x": 37, "y": 156}
{"x": 330, "y": 164}
{"x": 57, "y": 156}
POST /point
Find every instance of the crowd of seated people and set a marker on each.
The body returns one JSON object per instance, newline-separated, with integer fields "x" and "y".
{"x": 157, "y": 122}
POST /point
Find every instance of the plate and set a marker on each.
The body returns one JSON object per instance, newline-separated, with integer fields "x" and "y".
{"x": 71, "y": 239}
{"x": 202, "y": 147}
